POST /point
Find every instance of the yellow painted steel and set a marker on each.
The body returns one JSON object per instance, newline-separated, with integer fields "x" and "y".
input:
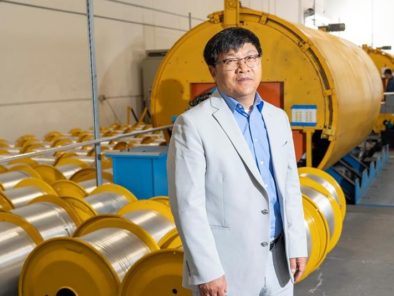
{"x": 113, "y": 221}
{"x": 171, "y": 240}
{"x": 84, "y": 210}
{"x": 150, "y": 205}
{"x": 336, "y": 218}
{"x": 72, "y": 213}
{"x": 25, "y": 169}
{"x": 316, "y": 68}
{"x": 88, "y": 174}
{"x": 158, "y": 273}
{"x": 73, "y": 265}
{"x": 318, "y": 235}
{"x": 65, "y": 266}
{"x": 328, "y": 182}
{"x": 381, "y": 59}
{"x": 69, "y": 188}
{"x": 33, "y": 233}
{"x": 161, "y": 198}
{"x": 49, "y": 173}
{"x": 6, "y": 203}
{"x": 117, "y": 189}
{"x": 38, "y": 183}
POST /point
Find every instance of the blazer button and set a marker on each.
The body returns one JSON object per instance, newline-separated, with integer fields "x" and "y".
{"x": 264, "y": 244}
{"x": 264, "y": 212}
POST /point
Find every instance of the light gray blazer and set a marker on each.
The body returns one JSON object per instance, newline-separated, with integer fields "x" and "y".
{"x": 217, "y": 196}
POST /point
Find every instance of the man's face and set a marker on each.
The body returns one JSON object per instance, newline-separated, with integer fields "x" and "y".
{"x": 241, "y": 81}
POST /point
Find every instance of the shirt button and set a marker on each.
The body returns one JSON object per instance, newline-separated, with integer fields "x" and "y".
{"x": 261, "y": 162}
{"x": 264, "y": 244}
{"x": 264, "y": 212}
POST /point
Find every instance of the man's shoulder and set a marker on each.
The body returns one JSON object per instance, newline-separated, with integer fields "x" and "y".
{"x": 202, "y": 108}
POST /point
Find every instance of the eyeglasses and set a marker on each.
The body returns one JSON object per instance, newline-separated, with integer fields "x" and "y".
{"x": 232, "y": 63}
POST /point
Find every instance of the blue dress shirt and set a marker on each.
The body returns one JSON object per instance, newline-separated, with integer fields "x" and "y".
{"x": 254, "y": 131}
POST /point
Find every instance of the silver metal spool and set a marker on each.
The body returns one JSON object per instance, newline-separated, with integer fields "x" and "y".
{"x": 49, "y": 219}
{"x": 20, "y": 197}
{"x": 11, "y": 178}
{"x": 90, "y": 185}
{"x": 87, "y": 159}
{"x": 107, "y": 202}
{"x": 50, "y": 160}
{"x": 120, "y": 247}
{"x": 324, "y": 205}
{"x": 308, "y": 238}
{"x": 15, "y": 246}
{"x": 68, "y": 169}
{"x": 151, "y": 221}
{"x": 330, "y": 188}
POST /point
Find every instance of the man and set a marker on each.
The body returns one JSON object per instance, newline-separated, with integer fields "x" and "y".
{"x": 233, "y": 182}
{"x": 388, "y": 74}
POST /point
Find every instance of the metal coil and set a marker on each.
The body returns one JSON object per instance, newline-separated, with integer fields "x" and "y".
{"x": 68, "y": 169}
{"x": 87, "y": 159}
{"x": 15, "y": 246}
{"x": 49, "y": 219}
{"x": 151, "y": 221}
{"x": 121, "y": 247}
{"x": 22, "y": 196}
{"x": 308, "y": 237}
{"x": 11, "y": 178}
{"x": 90, "y": 185}
{"x": 323, "y": 204}
{"x": 107, "y": 202}
{"x": 50, "y": 160}
{"x": 330, "y": 188}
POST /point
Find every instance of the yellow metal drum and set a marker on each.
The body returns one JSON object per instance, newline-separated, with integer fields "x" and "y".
{"x": 313, "y": 67}
{"x": 381, "y": 59}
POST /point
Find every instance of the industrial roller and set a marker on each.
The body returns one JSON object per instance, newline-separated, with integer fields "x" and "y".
{"x": 105, "y": 199}
{"x": 76, "y": 189}
{"x": 328, "y": 207}
{"x": 328, "y": 86}
{"x": 93, "y": 262}
{"x": 171, "y": 240}
{"x": 157, "y": 273}
{"x": 90, "y": 173}
{"x": 22, "y": 229}
{"x": 64, "y": 169}
{"x": 24, "y": 192}
{"x": 318, "y": 235}
{"x": 327, "y": 181}
{"x": 15, "y": 174}
{"x": 154, "y": 217}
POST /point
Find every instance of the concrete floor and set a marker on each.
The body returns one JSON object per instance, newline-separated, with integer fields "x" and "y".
{"x": 362, "y": 264}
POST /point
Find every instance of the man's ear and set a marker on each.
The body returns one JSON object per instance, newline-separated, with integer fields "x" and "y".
{"x": 212, "y": 70}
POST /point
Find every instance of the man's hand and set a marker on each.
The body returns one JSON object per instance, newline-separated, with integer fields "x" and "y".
{"x": 297, "y": 267}
{"x": 216, "y": 287}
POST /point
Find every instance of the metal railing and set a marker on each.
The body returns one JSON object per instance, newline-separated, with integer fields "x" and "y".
{"x": 80, "y": 144}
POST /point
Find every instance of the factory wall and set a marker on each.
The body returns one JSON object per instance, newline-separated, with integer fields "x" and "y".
{"x": 44, "y": 73}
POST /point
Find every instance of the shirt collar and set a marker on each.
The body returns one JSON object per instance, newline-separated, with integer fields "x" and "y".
{"x": 234, "y": 105}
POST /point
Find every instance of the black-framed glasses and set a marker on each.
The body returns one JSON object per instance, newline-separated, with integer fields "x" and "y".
{"x": 232, "y": 63}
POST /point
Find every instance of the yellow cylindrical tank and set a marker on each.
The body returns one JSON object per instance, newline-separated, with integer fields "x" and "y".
{"x": 332, "y": 77}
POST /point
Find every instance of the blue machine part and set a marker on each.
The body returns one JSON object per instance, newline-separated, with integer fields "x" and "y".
{"x": 142, "y": 170}
{"x": 355, "y": 177}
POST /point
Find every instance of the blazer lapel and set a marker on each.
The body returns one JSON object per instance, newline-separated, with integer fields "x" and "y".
{"x": 274, "y": 139}
{"x": 226, "y": 120}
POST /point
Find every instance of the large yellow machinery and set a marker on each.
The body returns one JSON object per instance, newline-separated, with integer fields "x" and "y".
{"x": 328, "y": 86}
{"x": 381, "y": 59}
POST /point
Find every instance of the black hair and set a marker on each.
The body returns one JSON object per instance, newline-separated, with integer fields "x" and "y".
{"x": 388, "y": 71}
{"x": 229, "y": 39}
